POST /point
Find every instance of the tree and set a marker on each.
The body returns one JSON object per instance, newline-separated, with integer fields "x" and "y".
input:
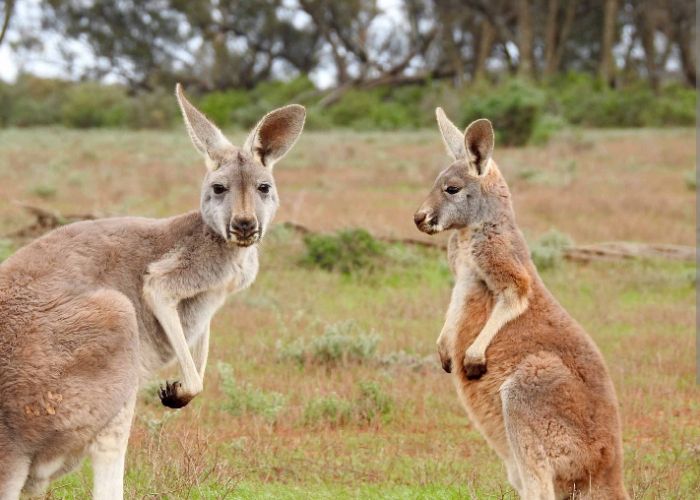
{"x": 682, "y": 31}
{"x": 8, "y": 8}
{"x": 606, "y": 69}
{"x": 558, "y": 32}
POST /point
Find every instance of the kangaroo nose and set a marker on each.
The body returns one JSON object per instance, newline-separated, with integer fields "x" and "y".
{"x": 244, "y": 225}
{"x": 419, "y": 217}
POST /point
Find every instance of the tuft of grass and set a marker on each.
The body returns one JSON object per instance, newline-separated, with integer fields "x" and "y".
{"x": 248, "y": 399}
{"x": 6, "y": 248}
{"x": 371, "y": 403}
{"x": 339, "y": 344}
{"x": 691, "y": 179}
{"x": 45, "y": 191}
{"x": 347, "y": 251}
{"x": 546, "y": 251}
{"x": 330, "y": 410}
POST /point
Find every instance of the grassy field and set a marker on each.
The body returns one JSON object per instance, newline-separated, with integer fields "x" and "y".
{"x": 326, "y": 385}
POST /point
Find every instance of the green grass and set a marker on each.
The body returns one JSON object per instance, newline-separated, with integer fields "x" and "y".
{"x": 369, "y": 414}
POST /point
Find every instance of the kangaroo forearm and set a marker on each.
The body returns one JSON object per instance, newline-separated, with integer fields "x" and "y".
{"x": 200, "y": 352}
{"x": 166, "y": 313}
{"x": 507, "y": 308}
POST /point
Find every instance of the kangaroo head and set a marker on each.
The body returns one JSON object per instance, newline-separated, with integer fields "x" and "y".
{"x": 463, "y": 194}
{"x": 239, "y": 199}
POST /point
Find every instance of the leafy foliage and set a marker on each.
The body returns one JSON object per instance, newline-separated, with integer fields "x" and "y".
{"x": 246, "y": 398}
{"x": 546, "y": 251}
{"x": 339, "y": 344}
{"x": 370, "y": 404}
{"x": 347, "y": 251}
{"x": 515, "y": 109}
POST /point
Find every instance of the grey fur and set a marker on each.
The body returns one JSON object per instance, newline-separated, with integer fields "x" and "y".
{"x": 93, "y": 309}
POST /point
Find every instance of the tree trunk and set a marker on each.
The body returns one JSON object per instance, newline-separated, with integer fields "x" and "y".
{"x": 647, "y": 27}
{"x": 607, "y": 64}
{"x": 687, "y": 48}
{"x": 451, "y": 47}
{"x": 526, "y": 67}
{"x": 550, "y": 38}
{"x": 9, "y": 5}
{"x": 487, "y": 35}
{"x": 563, "y": 37}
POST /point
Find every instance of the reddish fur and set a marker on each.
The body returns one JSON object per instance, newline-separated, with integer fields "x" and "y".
{"x": 549, "y": 358}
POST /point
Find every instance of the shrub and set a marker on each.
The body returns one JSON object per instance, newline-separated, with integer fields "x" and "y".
{"x": 347, "y": 251}
{"x": 330, "y": 409}
{"x": 248, "y": 399}
{"x": 582, "y": 100}
{"x": 6, "y": 248}
{"x": 546, "y": 251}
{"x": 370, "y": 403}
{"x": 375, "y": 109}
{"x": 94, "y": 105}
{"x": 339, "y": 344}
{"x": 515, "y": 109}
{"x": 373, "y": 402}
{"x": 32, "y": 101}
{"x": 222, "y": 106}
{"x": 151, "y": 110}
{"x": 691, "y": 179}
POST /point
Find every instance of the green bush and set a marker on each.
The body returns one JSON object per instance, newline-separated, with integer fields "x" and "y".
{"x": 339, "y": 344}
{"x": 32, "y": 101}
{"x": 547, "y": 250}
{"x": 370, "y": 404}
{"x": 375, "y": 110}
{"x": 583, "y": 100}
{"x": 248, "y": 399}
{"x": 7, "y": 248}
{"x": 222, "y": 106}
{"x": 332, "y": 410}
{"x": 151, "y": 110}
{"x": 691, "y": 179}
{"x": 347, "y": 251}
{"x": 515, "y": 109}
{"x": 91, "y": 104}
{"x": 521, "y": 112}
{"x": 373, "y": 402}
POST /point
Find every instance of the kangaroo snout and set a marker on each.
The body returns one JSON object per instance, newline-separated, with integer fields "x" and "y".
{"x": 425, "y": 222}
{"x": 244, "y": 226}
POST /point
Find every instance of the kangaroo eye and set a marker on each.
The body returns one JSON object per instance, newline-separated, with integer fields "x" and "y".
{"x": 452, "y": 189}
{"x": 218, "y": 189}
{"x": 264, "y": 188}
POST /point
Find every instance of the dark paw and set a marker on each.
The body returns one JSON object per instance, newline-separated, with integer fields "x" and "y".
{"x": 447, "y": 365}
{"x": 172, "y": 396}
{"x": 474, "y": 371}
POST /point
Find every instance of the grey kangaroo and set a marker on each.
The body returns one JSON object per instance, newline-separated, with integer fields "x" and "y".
{"x": 92, "y": 309}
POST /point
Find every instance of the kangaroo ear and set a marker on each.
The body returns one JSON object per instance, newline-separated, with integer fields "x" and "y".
{"x": 451, "y": 136}
{"x": 276, "y": 133}
{"x": 206, "y": 137}
{"x": 479, "y": 142}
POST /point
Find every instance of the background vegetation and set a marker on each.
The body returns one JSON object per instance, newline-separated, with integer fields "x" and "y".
{"x": 323, "y": 380}
{"x": 531, "y": 66}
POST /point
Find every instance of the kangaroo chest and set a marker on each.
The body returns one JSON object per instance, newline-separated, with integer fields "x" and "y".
{"x": 196, "y": 312}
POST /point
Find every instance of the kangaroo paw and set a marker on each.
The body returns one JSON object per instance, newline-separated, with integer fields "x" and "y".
{"x": 173, "y": 396}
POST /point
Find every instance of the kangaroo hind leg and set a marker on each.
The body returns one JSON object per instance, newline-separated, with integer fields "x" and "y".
{"x": 538, "y": 431}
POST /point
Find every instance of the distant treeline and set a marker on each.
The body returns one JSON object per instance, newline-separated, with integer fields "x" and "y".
{"x": 226, "y": 44}
{"x": 521, "y": 112}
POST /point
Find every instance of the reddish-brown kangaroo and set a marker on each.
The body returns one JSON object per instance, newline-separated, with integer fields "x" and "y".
{"x": 531, "y": 379}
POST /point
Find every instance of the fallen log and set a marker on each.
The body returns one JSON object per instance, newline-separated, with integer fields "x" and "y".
{"x": 47, "y": 220}
{"x": 612, "y": 251}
